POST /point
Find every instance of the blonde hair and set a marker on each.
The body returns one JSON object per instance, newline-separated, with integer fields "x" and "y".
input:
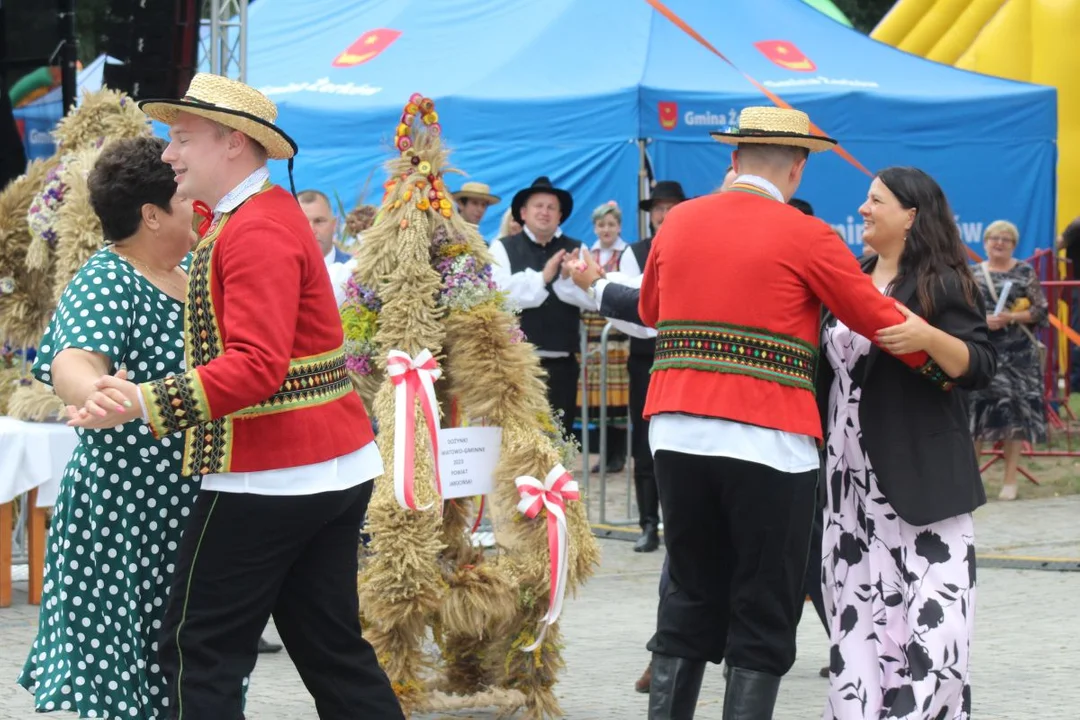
{"x": 504, "y": 224}
{"x": 1002, "y": 227}
{"x": 609, "y": 208}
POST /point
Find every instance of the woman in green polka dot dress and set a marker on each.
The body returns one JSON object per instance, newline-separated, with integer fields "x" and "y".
{"x": 123, "y": 503}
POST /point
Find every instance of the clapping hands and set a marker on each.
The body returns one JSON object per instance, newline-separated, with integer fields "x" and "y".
{"x": 115, "y": 401}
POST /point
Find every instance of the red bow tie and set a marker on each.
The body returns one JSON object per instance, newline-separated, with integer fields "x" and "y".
{"x": 203, "y": 210}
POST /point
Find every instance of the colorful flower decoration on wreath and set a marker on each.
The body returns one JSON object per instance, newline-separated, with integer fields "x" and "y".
{"x": 44, "y": 208}
{"x": 429, "y": 191}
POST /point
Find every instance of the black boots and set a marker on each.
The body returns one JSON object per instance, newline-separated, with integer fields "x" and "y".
{"x": 676, "y": 683}
{"x": 750, "y": 695}
{"x": 649, "y": 540}
{"x": 648, "y": 500}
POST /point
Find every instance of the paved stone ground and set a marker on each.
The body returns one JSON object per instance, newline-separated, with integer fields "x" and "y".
{"x": 1026, "y": 651}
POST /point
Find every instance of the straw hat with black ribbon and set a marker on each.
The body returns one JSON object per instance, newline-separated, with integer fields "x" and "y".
{"x": 477, "y": 191}
{"x": 774, "y": 126}
{"x": 233, "y": 104}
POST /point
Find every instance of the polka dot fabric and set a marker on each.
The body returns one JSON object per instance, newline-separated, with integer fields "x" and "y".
{"x": 121, "y": 510}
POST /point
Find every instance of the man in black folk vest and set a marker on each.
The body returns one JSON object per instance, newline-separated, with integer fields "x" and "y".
{"x": 528, "y": 267}
{"x": 665, "y": 195}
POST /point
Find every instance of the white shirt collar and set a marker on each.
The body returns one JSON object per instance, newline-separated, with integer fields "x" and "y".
{"x": 329, "y": 257}
{"x": 616, "y": 246}
{"x": 529, "y": 233}
{"x": 762, "y": 184}
{"x": 249, "y": 186}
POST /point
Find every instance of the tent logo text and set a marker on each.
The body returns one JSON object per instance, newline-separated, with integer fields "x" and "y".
{"x": 669, "y": 115}
{"x": 366, "y": 47}
{"x": 786, "y": 55}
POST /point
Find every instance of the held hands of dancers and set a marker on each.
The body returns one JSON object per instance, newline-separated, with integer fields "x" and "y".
{"x": 911, "y": 336}
{"x": 114, "y": 401}
{"x": 583, "y": 269}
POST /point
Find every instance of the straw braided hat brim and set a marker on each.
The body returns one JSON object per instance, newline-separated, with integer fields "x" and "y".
{"x": 770, "y": 125}
{"x": 490, "y": 199}
{"x": 279, "y": 146}
{"x": 813, "y": 143}
{"x": 231, "y": 103}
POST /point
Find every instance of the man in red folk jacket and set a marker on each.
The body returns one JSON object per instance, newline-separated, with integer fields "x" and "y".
{"x": 734, "y": 286}
{"x": 282, "y": 442}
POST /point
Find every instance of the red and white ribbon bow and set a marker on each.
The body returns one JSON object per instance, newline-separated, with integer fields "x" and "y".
{"x": 203, "y": 211}
{"x": 409, "y": 375}
{"x": 558, "y": 487}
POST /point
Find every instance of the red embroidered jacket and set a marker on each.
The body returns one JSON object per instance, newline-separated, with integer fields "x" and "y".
{"x": 734, "y": 286}
{"x": 266, "y": 386}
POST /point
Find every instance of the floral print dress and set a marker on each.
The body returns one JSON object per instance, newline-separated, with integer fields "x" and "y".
{"x": 1013, "y": 407}
{"x": 900, "y": 599}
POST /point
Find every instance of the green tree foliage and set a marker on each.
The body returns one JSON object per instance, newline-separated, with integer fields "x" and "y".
{"x": 864, "y": 14}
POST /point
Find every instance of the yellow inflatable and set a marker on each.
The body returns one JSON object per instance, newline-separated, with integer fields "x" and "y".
{"x": 1027, "y": 40}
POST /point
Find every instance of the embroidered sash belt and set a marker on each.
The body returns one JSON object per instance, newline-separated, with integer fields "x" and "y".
{"x": 718, "y": 347}
{"x": 310, "y": 381}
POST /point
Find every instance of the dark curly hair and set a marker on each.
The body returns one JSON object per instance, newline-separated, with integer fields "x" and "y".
{"x": 129, "y": 174}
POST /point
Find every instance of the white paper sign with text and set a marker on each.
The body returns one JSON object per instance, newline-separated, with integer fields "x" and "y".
{"x": 467, "y": 459}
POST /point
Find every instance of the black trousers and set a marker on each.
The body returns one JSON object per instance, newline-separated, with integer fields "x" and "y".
{"x": 246, "y": 557}
{"x": 638, "y": 367}
{"x": 737, "y": 535}
{"x": 562, "y": 387}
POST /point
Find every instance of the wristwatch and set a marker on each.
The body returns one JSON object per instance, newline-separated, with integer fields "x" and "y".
{"x": 592, "y": 289}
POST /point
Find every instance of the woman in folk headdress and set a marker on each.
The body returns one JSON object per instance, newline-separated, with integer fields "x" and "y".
{"x": 608, "y": 251}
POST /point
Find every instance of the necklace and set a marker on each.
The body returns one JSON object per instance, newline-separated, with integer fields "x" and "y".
{"x": 148, "y": 272}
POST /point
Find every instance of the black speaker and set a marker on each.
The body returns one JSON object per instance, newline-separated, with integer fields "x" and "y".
{"x": 29, "y": 36}
{"x": 156, "y": 42}
{"x": 12, "y": 153}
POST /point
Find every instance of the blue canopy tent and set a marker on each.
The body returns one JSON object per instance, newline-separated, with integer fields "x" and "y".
{"x": 595, "y": 93}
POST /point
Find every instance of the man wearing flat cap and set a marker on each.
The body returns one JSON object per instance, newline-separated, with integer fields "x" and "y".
{"x": 282, "y": 442}
{"x": 473, "y": 201}
{"x": 732, "y": 276}
{"x": 528, "y": 267}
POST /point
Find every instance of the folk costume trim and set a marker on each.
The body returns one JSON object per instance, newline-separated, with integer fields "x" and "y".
{"x": 933, "y": 372}
{"x": 175, "y": 403}
{"x": 725, "y": 348}
{"x": 752, "y": 189}
{"x": 179, "y": 402}
{"x": 309, "y": 382}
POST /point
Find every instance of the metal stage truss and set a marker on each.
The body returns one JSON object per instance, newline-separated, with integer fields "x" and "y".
{"x": 223, "y": 37}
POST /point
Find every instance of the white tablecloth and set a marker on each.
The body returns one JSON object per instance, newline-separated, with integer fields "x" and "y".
{"x": 33, "y": 455}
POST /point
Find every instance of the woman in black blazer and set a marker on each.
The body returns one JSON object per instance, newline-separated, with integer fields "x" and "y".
{"x": 901, "y": 476}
